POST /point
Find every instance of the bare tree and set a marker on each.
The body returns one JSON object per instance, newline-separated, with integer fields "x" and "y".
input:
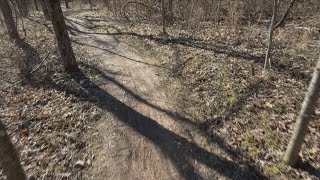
{"x": 36, "y": 5}
{"x": 307, "y": 109}
{"x": 90, "y": 2}
{"x": 45, "y": 9}
{"x": 163, "y": 10}
{"x": 67, "y": 4}
{"x": 64, "y": 43}
{"x": 23, "y": 7}
{"x": 285, "y": 15}
{"x": 270, "y": 37}
{"x": 9, "y": 159}
{"x": 9, "y": 20}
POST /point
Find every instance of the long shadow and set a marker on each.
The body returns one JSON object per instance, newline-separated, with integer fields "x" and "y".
{"x": 307, "y": 167}
{"x": 30, "y": 59}
{"x": 174, "y": 115}
{"x": 201, "y": 128}
{"x": 220, "y": 49}
{"x": 201, "y": 44}
{"x": 180, "y": 151}
{"x": 232, "y": 111}
{"x": 9, "y": 158}
{"x": 117, "y": 54}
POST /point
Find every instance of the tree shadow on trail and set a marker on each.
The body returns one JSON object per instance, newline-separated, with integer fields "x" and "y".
{"x": 178, "y": 149}
{"x": 209, "y": 46}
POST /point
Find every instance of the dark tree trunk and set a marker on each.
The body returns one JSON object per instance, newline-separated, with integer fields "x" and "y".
{"x": 23, "y": 7}
{"x": 163, "y": 10}
{"x": 8, "y": 19}
{"x": 67, "y": 4}
{"x": 36, "y": 5}
{"x": 45, "y": 9}
{"x": 9, "y": 159}
{"x": 64, "y": 43}
{"x": 170, "y": 12}
{"x": 90, "y": 2}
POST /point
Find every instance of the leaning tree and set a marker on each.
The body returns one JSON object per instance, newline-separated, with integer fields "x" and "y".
{"x": 306, "y": 112}
{"x": 61, "y": 33}
{"x": 9, "y": 20}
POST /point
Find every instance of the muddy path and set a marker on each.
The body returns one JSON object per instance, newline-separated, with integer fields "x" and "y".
{"x": 141, "y": 136}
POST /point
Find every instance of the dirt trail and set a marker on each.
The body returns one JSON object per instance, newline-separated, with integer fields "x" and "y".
{"x": 141, "y": 139}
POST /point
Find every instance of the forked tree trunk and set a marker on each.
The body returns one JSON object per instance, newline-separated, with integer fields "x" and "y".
{"x": 64, "y": 43}
{"x": 9, "y": 159}
{"x": 270, "y": 37}
{"x": 285, "y": 15}
{"x": 8, "y": 19}
{"x": 307, "y": 109}
{"x": 45, "y": 9}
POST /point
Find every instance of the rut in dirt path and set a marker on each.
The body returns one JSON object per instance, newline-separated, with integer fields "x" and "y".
{"x": 143, "y": 138}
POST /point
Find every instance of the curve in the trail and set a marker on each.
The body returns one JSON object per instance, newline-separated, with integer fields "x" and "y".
{"x": 141, "y": 137}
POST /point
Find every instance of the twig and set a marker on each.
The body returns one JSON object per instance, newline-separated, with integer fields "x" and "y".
{"x": 139, "y": 3}
{"x": 36, "y": 68}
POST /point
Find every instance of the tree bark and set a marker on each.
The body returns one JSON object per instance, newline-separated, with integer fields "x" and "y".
{"x": 67, "y": 4}
{"x": 285, "y": 15}
{"x": 170, "y": 16}
{"x": 23, "y": 7}
{"x": 9, "y": 159}
{"x": 90, "y": 2}
{"x": 9, "y": 20}
{"x": 307, "y": 109}
{"x": 64, "y": 43}
{"x": 45, "y": 9}
{"x": 270, "y": 37}
{"x": 36, "y": 5}
{"x": 163, "y": 10}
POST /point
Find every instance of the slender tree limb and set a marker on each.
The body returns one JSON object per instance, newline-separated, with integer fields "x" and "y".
{"x": 139, "y": 3}
{"x": 285, "y": 15}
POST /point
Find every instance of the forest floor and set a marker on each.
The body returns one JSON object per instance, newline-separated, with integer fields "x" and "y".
{"x": 148, "y": 106}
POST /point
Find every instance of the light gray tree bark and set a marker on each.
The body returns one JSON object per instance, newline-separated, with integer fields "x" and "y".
{"x": 270, "y": 37}
{"x": 307, "y": 109}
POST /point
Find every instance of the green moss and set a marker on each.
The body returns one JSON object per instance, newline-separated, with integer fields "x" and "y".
{"x": 275, "y": 169}
{"x": 250, "y": 144}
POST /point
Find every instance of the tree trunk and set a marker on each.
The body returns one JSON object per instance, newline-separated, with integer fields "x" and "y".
{"x": 170, "y": 16}
{"x": 163, "y": 10}
{"x": 64, "y": 43}
{"x": 270, "y": 37}
{"x": 8, "y": 19}
{"x": 9, "y": 159}
{"x": 218, "y": 13}
{"x": 90, "y": 2}
{"x": 45, "y": 9}
{"x": 36, "y": 5}
{"x": 23, "y": 7}
{"x": 67, "y": 4}
{"x": 285, "y": 15}
{"x": 307, "y": 109}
